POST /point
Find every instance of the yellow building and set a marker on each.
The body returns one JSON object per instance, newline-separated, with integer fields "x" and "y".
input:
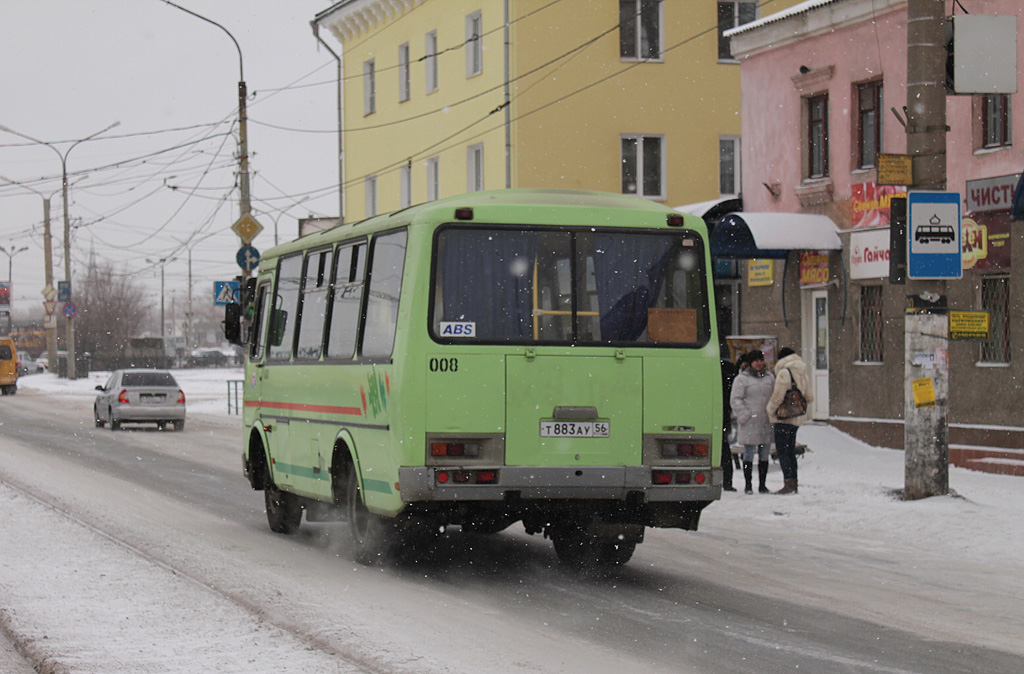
{"x": 442, "y": 97}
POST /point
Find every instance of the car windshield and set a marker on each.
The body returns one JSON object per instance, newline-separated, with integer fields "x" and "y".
{"x": 570, "y": 286}
{"x": 148, "y": 379}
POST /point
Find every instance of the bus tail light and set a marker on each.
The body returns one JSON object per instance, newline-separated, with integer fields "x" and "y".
{"x": 688, "y": 449}
{"x": 667, "y": 477}
{"x": 463, "y": 213}
{"x": 661, "y": 477}
{"x": 488, "y": 476}
{"x": 455, "y": 449}
{"x": 122, "y": 397}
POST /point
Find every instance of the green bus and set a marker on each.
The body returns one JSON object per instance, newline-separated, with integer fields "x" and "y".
{"x": 547, "y": 357}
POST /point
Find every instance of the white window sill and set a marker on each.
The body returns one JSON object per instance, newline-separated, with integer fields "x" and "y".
{"x": 983, "y": 363}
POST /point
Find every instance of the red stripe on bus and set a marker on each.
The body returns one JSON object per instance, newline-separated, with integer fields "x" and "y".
{"x": 300, "y": 407}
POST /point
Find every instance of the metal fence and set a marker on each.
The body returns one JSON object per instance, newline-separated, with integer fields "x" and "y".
{"x": 235, "y": 396}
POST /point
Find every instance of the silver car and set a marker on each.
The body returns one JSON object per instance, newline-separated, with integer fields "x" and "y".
{"x": 140, "y": 396}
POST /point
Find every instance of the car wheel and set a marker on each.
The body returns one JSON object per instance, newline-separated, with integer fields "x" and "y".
{"x": 179, "y": 425}
{"x": 100, "y": 423}
{"x": 114, "y": 423}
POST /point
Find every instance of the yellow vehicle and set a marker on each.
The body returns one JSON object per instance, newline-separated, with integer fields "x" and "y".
{"x": 8, "y": 366}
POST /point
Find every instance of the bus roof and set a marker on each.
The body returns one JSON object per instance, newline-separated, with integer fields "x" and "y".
{"x": 526, "y": 206}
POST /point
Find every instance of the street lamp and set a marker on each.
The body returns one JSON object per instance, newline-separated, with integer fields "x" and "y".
{"x": 162, "y": 262}
{"x": 10, "y": 281}
{"x": 67, "y": 222}
{"x": 49, "y": 293}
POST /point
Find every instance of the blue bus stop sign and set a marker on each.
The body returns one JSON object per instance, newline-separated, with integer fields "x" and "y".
{"x": 248, "y": 258}
{"x": 933, "y": 235}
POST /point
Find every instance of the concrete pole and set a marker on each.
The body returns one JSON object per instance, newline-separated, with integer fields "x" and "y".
{"x": 51, "y": 319}
{"x": 926, "y": 367}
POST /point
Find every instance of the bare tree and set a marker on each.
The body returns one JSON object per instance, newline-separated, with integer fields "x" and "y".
{"x": 112, "y": 308}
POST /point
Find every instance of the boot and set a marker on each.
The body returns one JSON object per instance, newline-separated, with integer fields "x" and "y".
{"x": 762, "y": 474}
{"x": 788, "y": 487}
{"x": 748, "y": 474}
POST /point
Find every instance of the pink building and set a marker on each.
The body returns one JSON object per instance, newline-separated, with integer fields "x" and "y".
{"x": 819, "y": 84}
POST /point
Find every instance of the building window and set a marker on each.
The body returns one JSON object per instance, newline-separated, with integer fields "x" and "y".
{"x": 640, "y": 29}
{"x": 995, "y": 120}
{"x": 817, "y": 136}
{"x": 730, "y": 15}
{"x": 430, "y": 61}
{"x": 474, "y": 44}
{"x": 403, "y": 72}
{"x": 433, "y": 179}
{"x": 643, "y": 166}
{"x": 995, "y": 299}
{"x": 869, "y": 125}
{"x": 475, "y": 168}
{"x": 728, "y": 165}
{"x": 371, "y": 196}
{"x": 369, "y": 88}
{"x": 405, "y": 188}
{"x": 871, "y": 324}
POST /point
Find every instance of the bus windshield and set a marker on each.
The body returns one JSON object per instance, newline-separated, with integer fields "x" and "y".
{"x": 576, "y": 286}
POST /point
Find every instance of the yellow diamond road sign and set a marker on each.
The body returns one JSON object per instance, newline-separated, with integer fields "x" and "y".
{"x": 246, "y": 227}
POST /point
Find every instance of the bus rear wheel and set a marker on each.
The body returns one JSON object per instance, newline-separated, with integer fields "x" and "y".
{"x": 370, "y": 532}
{"x": 284, "y": 514}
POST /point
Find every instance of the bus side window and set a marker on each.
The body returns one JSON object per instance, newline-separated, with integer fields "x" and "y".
{"x": 346, "y": 301}
{"x": 286, "y": 302}
{"x": 313, "y": 308}
{"x": 259, "y": 324}
{"x": 386, "y": 266}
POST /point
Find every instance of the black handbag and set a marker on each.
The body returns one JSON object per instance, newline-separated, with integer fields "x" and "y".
{"x": 794, "y": 404}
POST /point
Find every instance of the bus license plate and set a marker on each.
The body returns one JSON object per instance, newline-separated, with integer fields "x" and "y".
{"x": 575, "y": 429}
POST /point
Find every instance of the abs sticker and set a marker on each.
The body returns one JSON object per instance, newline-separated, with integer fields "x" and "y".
{"x": 460, "y": 329}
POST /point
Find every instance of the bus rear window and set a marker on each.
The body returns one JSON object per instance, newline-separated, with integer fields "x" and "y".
{"x": 570, "y": 286}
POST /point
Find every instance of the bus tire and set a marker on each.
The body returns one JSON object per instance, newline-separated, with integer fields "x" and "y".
{"x": 284, "y": 514}
{"x": 578, "y": 550}
{"x": 370, "y": 532}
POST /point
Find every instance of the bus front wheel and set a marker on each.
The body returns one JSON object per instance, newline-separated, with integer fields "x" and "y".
{"x": 284, "y": 514}
{"x": 369, "y": 531}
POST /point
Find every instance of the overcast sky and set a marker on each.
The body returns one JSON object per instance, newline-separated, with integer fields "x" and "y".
{"x": 167, "y": 173}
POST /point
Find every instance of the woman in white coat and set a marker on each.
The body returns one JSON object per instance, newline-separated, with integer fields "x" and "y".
{"x": 789, "y": 369}
{"x": 750, "y": 394}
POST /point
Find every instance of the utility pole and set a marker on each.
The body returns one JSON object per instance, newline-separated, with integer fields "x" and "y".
{"x": 926, "y": 323}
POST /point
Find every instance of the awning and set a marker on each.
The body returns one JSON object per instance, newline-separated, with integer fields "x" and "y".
{"x": 772, "y": 235}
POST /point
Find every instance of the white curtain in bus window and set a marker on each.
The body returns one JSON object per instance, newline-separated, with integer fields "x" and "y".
{"x": 313, "y": 308}
{"x": 485, "y": 278}
{"x": 347, "y": 297}
{"x": 388, "y": 260}
{"x": 283, "y": 312}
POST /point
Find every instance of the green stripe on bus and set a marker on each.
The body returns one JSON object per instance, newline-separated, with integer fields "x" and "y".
{"x": 303, "y": 471}
{"x": 376, "y": 485}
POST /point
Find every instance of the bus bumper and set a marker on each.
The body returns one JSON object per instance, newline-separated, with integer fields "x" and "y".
{"x": 613, "y": 483}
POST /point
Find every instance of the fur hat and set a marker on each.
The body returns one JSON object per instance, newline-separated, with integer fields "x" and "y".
{"x": 786, "y": 351}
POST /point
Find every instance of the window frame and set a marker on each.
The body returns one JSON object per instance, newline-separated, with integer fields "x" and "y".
{"x": 404, "y": 83}
{"x": 369, "y": 87}
{"x": 996, "y": 349}
{"x": 641, "y": 164}
{"x": 814, "y": 140}
{"x": 475, "y": 168}
{"x": 430, "y": 61}
{"x": 999, "y": 135}
{"x": 474, "y": 44}
{"x": 433, "y": 165}
{"x": 636, "y": 41}
{"x": 366, "y": 321}
{"x": 871, "y": 343}
{"x": 737, "y": 176}
{"x": 357, "y": 251}
{"x": 876, "y": 93}
{"x": 734, "y": 20}
{"x": 323, "y": 281}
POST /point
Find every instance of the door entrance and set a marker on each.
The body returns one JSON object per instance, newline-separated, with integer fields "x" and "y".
{"x": 816, "y": 335}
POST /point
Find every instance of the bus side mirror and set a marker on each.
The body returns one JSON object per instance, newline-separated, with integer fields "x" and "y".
{"x": 278, "y": 320}
{"x": 233, "y": 323}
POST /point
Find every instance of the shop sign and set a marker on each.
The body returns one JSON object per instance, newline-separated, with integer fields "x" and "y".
{"x": 968, "y": 325}
{"x": 869, "y": 254}
{"x": 760, "y": 272}
{"x": 870, "y": 204}
{"x": 986, "y": 241}
{"x": 991, "y": 194}
{"x": 813, "y": 267}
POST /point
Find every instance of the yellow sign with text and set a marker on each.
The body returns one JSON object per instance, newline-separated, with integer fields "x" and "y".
{"x": 924, "y": 393}
{"x": 968, "y": 325}
{"x": 760, "y": 272}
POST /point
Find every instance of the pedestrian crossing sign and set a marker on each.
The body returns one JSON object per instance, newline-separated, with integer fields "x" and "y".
{"x": 225, "y": 292}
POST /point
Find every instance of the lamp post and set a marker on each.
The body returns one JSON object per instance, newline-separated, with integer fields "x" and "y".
{"x": 162, "y": 262}
{"x": 49, "y": 293}
{"x": 67, "y": 222}
{"x": 10, "y": 281}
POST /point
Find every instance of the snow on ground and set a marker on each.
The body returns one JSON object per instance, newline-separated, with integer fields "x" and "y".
{"x": 848, "y": 491}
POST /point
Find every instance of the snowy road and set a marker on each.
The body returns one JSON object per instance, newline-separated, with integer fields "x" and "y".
{"x": 143, "y": 551}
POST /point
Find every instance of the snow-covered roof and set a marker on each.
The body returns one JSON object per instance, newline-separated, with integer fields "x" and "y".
{"x": 799, "y": 8}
